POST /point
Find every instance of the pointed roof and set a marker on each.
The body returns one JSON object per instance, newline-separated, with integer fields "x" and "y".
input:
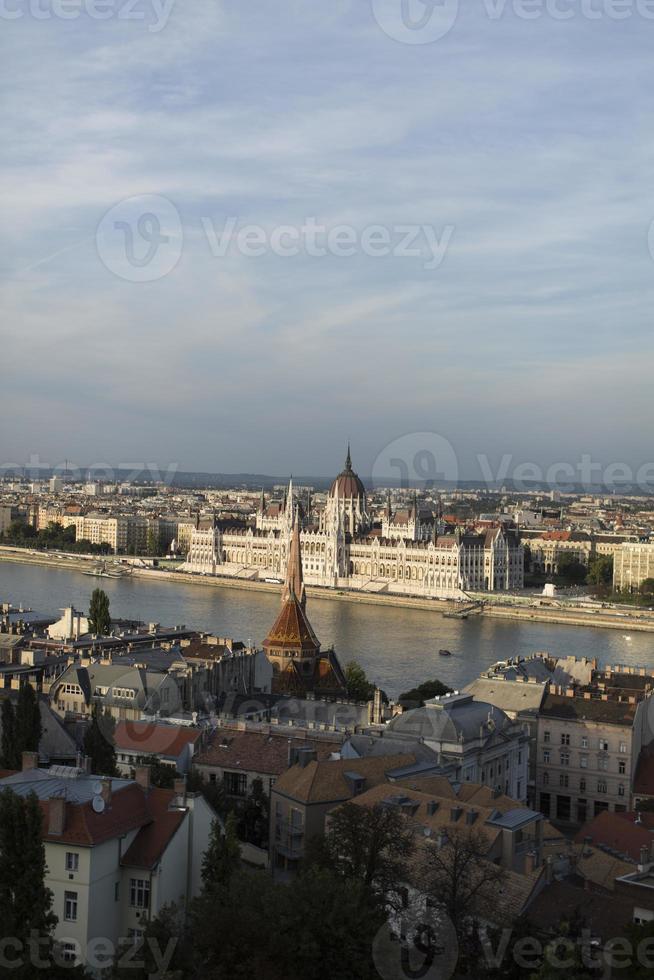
{"x": 294, "y": 582}
{"x": 347, "y": 484}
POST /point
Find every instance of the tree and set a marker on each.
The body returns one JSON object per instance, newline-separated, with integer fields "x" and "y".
{"x": 8, "y": 755}
{"x": 600, "y": 571}
{"x": 359, "y": 687}
{"x": 168, "y": 933}
{"x": 424, "y": 692}
{"x": 28, "y": 721}
{"x": 222, "y": 857}
{"x": 253, "y": 816}
{"x": 461, "y": 880}
{"x": 570, "y": 570}
{"x": 366, "y": 845}
{"x": 25, "y": 902}
{"x": 99, "y": 743}
{"x": 647, "y": 587}
{"x": 161, "y": 775}
{"x": 99, "y": 618}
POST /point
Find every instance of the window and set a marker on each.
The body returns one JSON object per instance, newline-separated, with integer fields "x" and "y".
{"x": 72, "y": 861}
{"x": 565, "y": 758}
{"x": 623, "y": 747}
{"x": 622, "y": 767}
{"x": 603, "y": 745}
{"x": 584, "y": 741}
{"x": 563, "y": 779}
{"x": 565, "y": 738}
{"x": 546, "y": 755}
{"x": 583, "y": 761}
{"x": 582, "y": 785}
{"x": 135, "y": 936}
{"x": 601, "y": 786}
{"x": 116, "y": 891}
{"x": 139, "y": 893}
{"x": 546, "y": 778}
{"x": 519, "y": 758}
{"x": 236, "y": 783}
{"x": 621, "y": 789}
{"x": 602, "y": 763}
{"x": 69, "y": 952}
{"x": 70, "y": 906}
{"x": 546, "y": 736}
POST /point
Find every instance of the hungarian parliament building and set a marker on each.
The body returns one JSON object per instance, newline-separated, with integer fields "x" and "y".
{"x": 342, "y": 549}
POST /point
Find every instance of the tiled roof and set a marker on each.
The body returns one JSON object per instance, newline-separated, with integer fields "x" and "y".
{"x": 149, "y": 737}
{"x": 292, "y": 629}
{"x": 257, "y": 751}
{"x": 611, "y": 712}
{"x": 326, "y": 782}
{"x": 618, "y": 831}
{"x": 153, "y": 838}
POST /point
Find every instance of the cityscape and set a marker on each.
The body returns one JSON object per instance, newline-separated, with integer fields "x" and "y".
{"x": 326, "y": 491}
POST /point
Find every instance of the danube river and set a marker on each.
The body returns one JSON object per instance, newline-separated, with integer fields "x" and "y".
{"x": 397, "y": 647}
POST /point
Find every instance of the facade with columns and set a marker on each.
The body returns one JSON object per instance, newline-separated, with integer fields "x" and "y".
{"x": 342, "y": 549}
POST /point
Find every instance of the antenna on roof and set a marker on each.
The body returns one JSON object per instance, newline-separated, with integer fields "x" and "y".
{"x": 98, "y": 804}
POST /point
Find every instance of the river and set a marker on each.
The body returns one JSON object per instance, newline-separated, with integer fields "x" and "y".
{"x": 397, "y": 647}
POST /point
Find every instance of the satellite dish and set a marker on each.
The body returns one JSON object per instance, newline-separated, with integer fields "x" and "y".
{"x": 97, "y": 787}
{"x": 98, "y": 804}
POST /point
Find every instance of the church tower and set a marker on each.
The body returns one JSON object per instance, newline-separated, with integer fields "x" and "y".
{"x": 292, "y": 647}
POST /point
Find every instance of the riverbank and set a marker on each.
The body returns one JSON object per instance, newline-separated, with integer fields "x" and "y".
{"x": 492, "y": 607}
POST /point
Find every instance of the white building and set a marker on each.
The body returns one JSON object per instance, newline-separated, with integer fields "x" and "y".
{"x": 484, "y": 744}
{"x": 342, "y": 549}
{"x": 116, "y": 852}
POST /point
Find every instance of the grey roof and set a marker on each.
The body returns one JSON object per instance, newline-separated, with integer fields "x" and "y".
{"x": 452, "y": 718}
{"x": 56, "y": 742}
{"x": 362, "y": 746}
{"x": 66, "y": 781}
{"x": 513, "y": 819}
{"x": 145, "y": 682}
{"x": 506, "y": 694}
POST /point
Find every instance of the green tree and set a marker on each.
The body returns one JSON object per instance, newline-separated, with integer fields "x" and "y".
{"x": 359, "y": 688}
{"x": 253, "y": 816}
{"x": 424, "y": 692}
{"x": 600, "y": 571}
{"x": 9, "y": 755}
{"x": 28, "y": 721}
{"x": 25, "y": 902}
{"x": 99, "y": 743}
{"x": 161, "y": 775}
{"x": 647, "y": 587}
{"x": 99, "y": 618}
{"x": 571, "y": 571}
{"x": 169, "y": 934}
{"x": 366, "y": 845}
{"x": 223, "y": 855}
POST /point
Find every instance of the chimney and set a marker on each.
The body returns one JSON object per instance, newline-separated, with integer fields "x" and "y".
{"x": 179, "y": 788}
{"x": 549, "y": 870}
{"x": 531, "y": 862}
{"x": 86, "y": 764}
{"x": 455, "y": 813}
{"x": 105, "y": 792}
{"x": 432, "y": 807}
{"x": 57, "y": 815}
{"x": 30, "y": 760}
{"x": 471, "y": 816}
{"x": 643, "y": 862}
{"x": 142, "y": 776}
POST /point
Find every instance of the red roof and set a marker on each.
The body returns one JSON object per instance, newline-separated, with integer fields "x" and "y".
{"x": 619, "y": 831}
{"x": 128, "y": 810}
{"x": 644, "y": 777}
{"x": 150, "y": 737}
{"x": 153, "y": 838}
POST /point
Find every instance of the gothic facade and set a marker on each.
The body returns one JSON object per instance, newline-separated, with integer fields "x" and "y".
{"x": 342, "y": 549}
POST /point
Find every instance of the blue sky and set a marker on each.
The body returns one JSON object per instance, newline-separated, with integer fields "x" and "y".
{"x": 530, "y": 140}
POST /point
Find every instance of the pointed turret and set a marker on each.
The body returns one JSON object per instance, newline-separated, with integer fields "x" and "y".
{"x": 262, "y": 502}
{"x": 348, "y": 459}
{"x": 294, "y": 582}
{"x": 389, "y": 509}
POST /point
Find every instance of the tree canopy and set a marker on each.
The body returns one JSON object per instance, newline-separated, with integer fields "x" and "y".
{"x": 99, "y": 743}
{"x": 99, "y": 618}
{"x": 423, "y": 692}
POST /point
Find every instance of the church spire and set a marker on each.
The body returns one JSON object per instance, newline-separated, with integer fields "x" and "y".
{"x": 348, "y": 458}
{"x": 294, "y": 583}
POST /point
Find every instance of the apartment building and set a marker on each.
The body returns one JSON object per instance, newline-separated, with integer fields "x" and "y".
{"x": 116, "y": 851}
{"x": 632, "y": 564}
{"x": 588, "y": 744}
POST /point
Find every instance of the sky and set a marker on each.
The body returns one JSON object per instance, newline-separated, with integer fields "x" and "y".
{"x": 237, "y": 235}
